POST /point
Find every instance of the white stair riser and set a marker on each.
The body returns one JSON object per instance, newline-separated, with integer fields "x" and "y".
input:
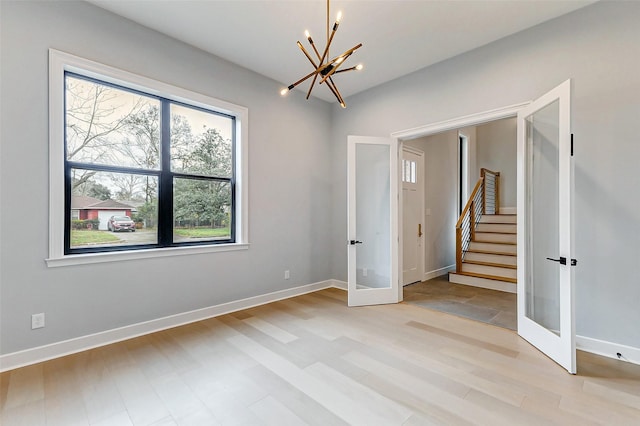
{"x": 497, "y": 248}
{"x": 496, "y": 238}
{"x": 483, "y": 282}
{"x": 492, "y": 258}
{"x": 498, "y": 218}
{"x": 505, "y": 228}
{"x": 495, "y": 271}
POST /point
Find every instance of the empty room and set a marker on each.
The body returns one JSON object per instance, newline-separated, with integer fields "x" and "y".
{"x": 219, "y": 210}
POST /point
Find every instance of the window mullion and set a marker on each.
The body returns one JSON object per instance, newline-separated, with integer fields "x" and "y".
{"x": 165, "y": 202}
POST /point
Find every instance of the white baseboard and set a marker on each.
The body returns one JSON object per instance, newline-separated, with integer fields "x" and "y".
{"x": 508, "y": 210}
{"x": 67, "y": 347}
{"x": 342, "y": 285}
{"x": 59, "y": 349}
{"x": 608, "y": 349}
{"x": 437, "y": 272}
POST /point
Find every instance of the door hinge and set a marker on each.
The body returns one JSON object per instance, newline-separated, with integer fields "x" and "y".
{"x": 572, "y": 144}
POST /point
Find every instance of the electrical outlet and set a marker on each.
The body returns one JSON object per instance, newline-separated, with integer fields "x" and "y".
{"x": 37, "y": 321}
{"x": 287, "y": 275}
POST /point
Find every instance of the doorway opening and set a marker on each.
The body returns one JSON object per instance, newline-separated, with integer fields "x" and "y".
{"x": 463, "y": 170}
{"x": 453, "y": 160}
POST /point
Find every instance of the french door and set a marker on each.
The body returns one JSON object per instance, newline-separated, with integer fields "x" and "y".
{"x": 545, "y": 237}
{"x": 372, "y": 177}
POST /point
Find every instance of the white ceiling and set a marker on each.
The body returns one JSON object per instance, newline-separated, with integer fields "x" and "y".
{"x": 398, "y": 36}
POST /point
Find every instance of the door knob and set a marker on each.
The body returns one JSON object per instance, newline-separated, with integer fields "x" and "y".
{"x": 419, "y": 230}
{"x": 354, "y": 242}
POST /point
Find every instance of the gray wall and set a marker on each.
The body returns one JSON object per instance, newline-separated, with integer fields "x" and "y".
{"x": 440, "y": 198}
{"x": 289, "y": 187}
{"x": 496, "y": 150}
{"x": 594, "y": 46}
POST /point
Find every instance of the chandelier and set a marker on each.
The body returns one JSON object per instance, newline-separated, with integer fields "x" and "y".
{"x": 326, "y": 67}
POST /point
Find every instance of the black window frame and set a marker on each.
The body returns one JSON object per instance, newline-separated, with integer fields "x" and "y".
{"x": 164, "y": 174}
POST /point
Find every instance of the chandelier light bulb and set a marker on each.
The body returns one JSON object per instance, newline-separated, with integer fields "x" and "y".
{"x": 283, "y": 92}
{"x": 306, "y": 34}
{"x": 339, "y": 17}
{"x": 359, "y": 67}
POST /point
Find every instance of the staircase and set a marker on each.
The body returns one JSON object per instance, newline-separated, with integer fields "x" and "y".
{"x": 491, "y": 256}
{"x": 486, "y": 250}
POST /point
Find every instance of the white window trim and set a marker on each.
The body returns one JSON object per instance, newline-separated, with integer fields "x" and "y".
{"x": 59, "y": 62}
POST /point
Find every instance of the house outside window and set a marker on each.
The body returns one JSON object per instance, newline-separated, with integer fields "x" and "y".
{"x": 145, "y": 166}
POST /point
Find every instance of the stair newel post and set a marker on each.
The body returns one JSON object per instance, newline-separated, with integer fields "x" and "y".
{"x": 458, "y": 249}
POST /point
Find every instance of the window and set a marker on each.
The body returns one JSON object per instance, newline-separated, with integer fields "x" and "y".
{"x": 140, "y": 168}
{"x": 409, "y": 171}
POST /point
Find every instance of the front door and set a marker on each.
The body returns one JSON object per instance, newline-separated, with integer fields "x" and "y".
{"x": 545, "y": 252}
{"x": 372, "y": 181}
{"x": 412, "y": 177}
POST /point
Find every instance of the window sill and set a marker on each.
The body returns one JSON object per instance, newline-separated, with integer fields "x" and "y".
{"x": 119, "y": 256}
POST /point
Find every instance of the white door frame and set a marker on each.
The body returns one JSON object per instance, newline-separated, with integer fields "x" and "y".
{"x": 510, "y": 111}
{"x": 421, "y": 253}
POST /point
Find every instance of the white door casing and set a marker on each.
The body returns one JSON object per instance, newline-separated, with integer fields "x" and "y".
{"x": 546, "y": 315}
{"x": 413, "y": 215}
{"x": 372, "y": 182}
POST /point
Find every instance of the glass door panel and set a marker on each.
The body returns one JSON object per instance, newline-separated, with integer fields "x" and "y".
{"x": 373, "y": 178}
{"x": 545, "y": 188}
{"x": 373, "y": 221}
{"x": 543, "y": 287}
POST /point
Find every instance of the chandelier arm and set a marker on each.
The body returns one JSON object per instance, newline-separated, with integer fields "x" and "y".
{"x": 307, "y": 55}
{"x": 315, "y": 77}
{"x": 347, "y": 53}
{"x": 325, "y": 54}
{"x": 315, "y": 49}
{"x": 336, "y": 94}
{"x": 332, "y": 86}
{"x": 348, "y": 69}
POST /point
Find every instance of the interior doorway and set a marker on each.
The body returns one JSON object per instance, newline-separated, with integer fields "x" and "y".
{"x": 463, "y": 170}
{"x": 453, "y": 159}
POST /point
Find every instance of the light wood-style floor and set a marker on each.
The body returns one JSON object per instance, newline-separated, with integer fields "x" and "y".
{"x": 311, "y": 360}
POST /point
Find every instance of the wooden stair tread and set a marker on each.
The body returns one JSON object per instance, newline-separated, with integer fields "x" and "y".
{"x": 496, "y": 232}
{"x": 493, "y": 242}
{"x": 497, "y": 265}
{"x": 491, "y": 252}
{"x": 489, "y": 277}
